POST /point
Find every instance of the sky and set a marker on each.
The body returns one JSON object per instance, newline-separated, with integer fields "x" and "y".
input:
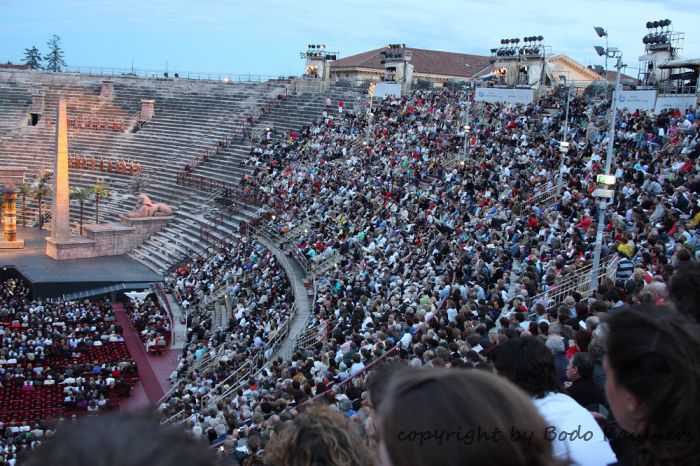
{"x": 264, "y": 37}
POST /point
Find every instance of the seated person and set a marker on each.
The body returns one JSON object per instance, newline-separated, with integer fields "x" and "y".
{"x": 528, "y": 363}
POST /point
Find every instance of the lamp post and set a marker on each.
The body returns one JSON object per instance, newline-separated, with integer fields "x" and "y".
{"x": 603, "y": 33}
{"x": 467, "y": 130}
{"x": 603, "y": 206}
{"x": 466, "y": 126}
{"x": 564, "y": 145}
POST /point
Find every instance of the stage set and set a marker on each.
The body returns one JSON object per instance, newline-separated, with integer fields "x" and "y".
{"x": 53, "y": 278}
{"x": 57, "y": 263}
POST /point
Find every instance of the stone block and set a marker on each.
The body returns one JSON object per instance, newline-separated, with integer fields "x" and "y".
{"x": 75, "y": 247}
{"x": 18, "y": 244}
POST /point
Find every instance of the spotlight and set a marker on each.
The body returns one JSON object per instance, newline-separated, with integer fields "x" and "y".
{"x": 650, "y": 25}
{"x": 600, "y": 50}
{"x": 600, "y": 31}
{"x": 656, "y": 24}
{"x": 540, "y": 38}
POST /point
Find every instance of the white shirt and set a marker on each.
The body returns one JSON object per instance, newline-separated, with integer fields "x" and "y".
{"x": 563, "y": 414}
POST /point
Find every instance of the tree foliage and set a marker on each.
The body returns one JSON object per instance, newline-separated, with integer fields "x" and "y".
{"x": 32, "y": 57}
{"x": 100, "y": 190}
{"x": 54, "y": 59}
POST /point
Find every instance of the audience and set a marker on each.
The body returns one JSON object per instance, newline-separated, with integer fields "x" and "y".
{"x": 56, "y": 359}
{"x": 573, "y": 431}
{"x": 427, "y": 258}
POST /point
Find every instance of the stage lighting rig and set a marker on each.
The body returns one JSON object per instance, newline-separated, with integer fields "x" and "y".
{"x": 318, "y": 52}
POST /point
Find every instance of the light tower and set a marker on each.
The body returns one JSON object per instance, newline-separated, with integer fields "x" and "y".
{"x": 318, "y": 61}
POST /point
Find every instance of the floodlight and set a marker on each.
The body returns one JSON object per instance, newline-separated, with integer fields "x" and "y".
{"x": 600, "y": 31}
{"x": 600, "y": 50}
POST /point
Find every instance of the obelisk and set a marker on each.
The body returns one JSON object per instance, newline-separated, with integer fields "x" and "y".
{"x": 60, "y": 244}
{"x": 60, "y": 215}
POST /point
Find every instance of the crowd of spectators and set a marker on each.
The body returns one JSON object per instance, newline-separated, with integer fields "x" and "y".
{"x": 261, "y": 300}
{"x": 449, "y": 255}
{"x": 57, "y": 359}
{"x": 152, "y": 322}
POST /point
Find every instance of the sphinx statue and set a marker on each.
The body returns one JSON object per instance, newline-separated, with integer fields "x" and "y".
{"x": 147, "y": 208}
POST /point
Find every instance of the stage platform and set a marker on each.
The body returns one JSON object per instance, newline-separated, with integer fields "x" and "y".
{"x": 51, "y": 278}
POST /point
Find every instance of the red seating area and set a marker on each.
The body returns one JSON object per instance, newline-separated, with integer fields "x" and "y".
{"x": 47, "y": 401}
{"x": 27, "y": 406}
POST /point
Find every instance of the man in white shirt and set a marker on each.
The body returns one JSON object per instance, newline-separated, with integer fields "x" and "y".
{"x": 573, "y": 431}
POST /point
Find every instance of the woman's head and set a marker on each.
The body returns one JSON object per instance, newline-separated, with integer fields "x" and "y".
{"x": 318, "y": 436}
{"x": 453, "y": 417}
{"x": 653, "y": 376}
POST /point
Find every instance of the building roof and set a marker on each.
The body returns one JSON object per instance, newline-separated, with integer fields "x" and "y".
{"x": 424, "y": 62}
{"x": 612, "y": 75}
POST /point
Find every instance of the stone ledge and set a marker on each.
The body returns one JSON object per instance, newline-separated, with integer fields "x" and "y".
{"x": 19, "y": 244}
{"x": 75, "y": 247}
{"x": 145, "y": 220}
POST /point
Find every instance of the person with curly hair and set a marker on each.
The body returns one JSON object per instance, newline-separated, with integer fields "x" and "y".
{"x": 318, "y": 437}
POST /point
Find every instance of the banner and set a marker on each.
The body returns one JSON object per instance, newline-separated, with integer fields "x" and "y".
{"x": 636, "y": 100}
{"x": 508, "y": 96}
{"x": 382, "y": 90}
{"x": 674, "y": 101}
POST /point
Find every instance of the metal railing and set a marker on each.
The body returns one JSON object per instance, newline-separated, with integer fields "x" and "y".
{"x": 579, "y": 281}
{"x": 162, "y": 296}
{"x": 544, "y": 195}
{"x": 241, "y": 131}
{"x": 226, "y": 78}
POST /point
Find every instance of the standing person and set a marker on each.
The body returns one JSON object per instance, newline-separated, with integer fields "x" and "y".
{"x": 653, "y": 383}
{"x": 572, "y": 429}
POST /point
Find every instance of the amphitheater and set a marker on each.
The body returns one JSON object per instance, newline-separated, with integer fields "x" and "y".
{"x": 309, "y": 241}
{"x": 190, "y": 118}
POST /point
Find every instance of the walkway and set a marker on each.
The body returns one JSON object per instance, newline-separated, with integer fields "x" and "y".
{"x": 153, "y": 370}
{"x": 297, "y": 276}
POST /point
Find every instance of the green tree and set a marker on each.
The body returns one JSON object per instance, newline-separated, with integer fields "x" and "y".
{"x": 99, "y": 189}
{"x": 54, "y": 59}
{"x": 32, "y": 57}
{"x": 80, "y": 195}
{"x": 24, "y": 190}
{"x": 41, "y": 192}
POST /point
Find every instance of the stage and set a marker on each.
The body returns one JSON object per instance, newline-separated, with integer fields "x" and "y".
{"x": 52, "y": 278}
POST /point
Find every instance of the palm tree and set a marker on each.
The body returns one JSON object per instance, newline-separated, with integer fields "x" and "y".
{"x": 80, "y": 194}
{"x": 99, "y": 189}
{"x": 24, "y": 190}
{"x": 41, "y": 192}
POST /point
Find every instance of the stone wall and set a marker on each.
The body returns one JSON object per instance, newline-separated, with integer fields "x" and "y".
{"x": 107, "y": 239}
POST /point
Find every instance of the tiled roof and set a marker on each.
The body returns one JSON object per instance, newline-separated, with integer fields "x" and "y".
{"x": 423, "y": 61}
{"x": 612, "y": 75}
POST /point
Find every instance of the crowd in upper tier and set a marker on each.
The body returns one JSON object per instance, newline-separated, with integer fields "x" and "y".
{"x": 447, "y": 252}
